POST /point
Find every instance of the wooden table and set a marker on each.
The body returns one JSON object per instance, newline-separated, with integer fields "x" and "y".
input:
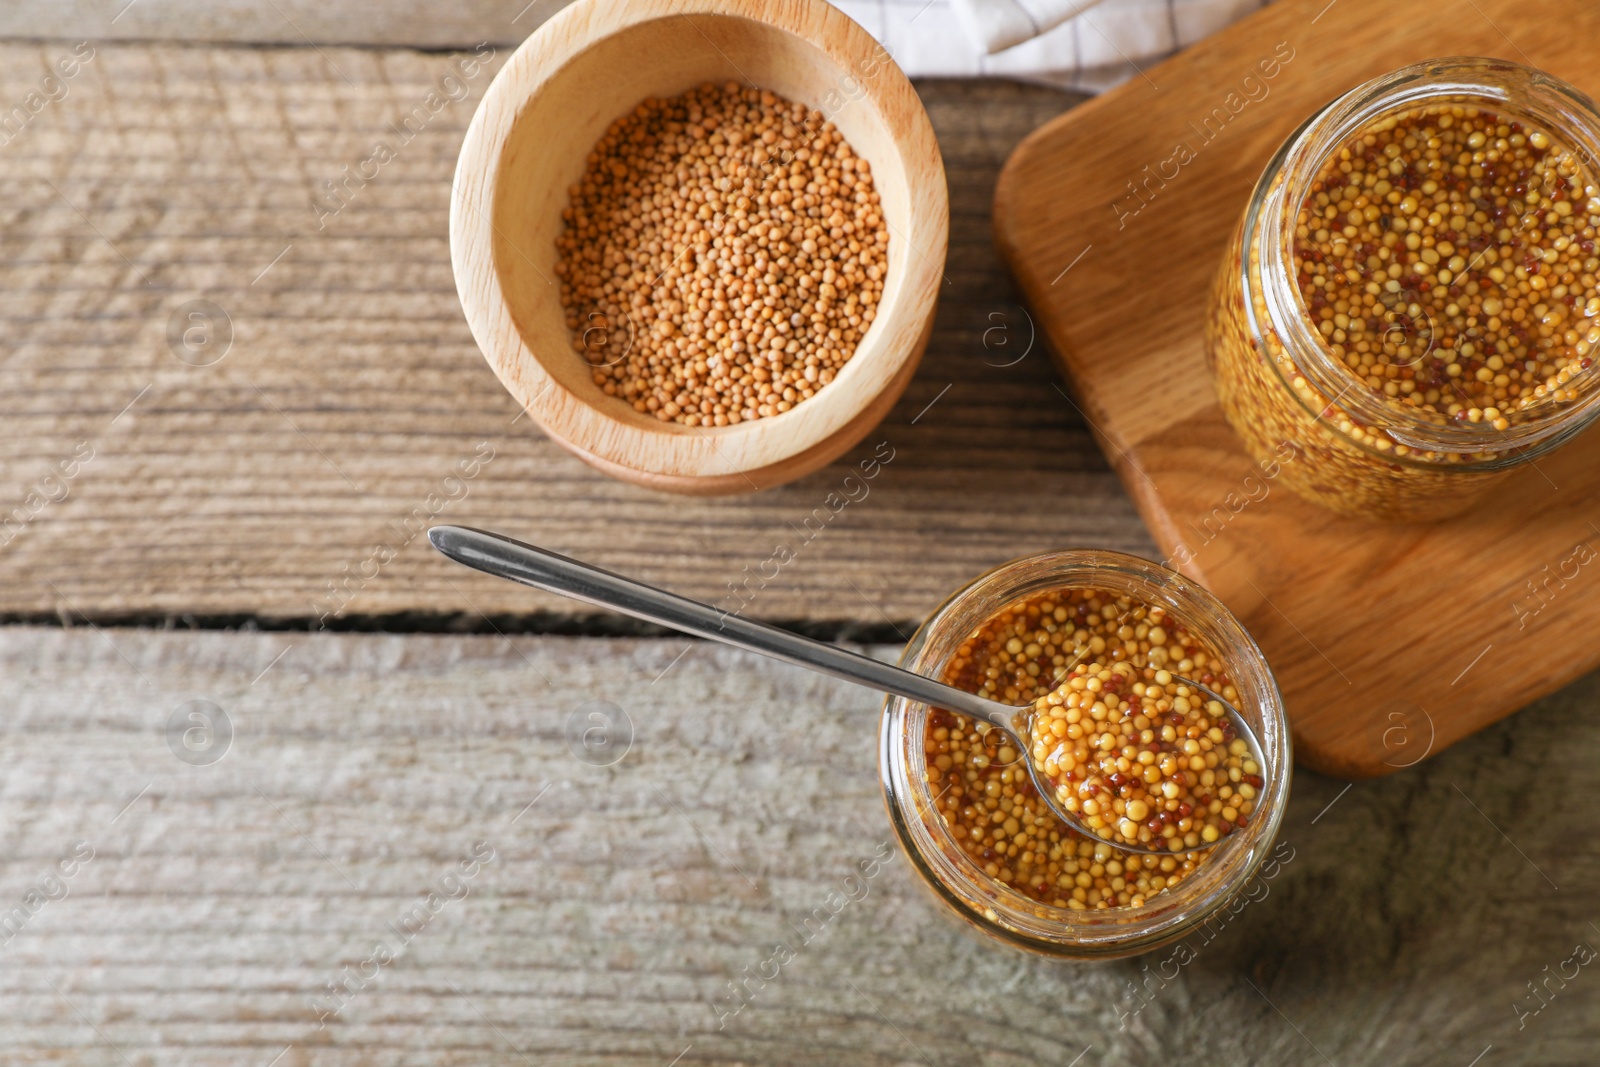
{"x": 217, "y": 889}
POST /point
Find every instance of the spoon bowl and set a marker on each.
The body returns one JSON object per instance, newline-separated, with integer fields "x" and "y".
{"x": 518, "y": 562}
{"x": 1048, "y": 788}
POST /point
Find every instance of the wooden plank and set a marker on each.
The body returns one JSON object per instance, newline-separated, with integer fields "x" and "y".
{"x": 622, "y": 900}
{"x": 352, "y": 388}
{"x": 392, "y": 23}
{"x": 1332, "y": 600}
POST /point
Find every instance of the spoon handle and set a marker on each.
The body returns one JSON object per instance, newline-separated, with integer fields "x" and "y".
{"x": 505, "y": 558}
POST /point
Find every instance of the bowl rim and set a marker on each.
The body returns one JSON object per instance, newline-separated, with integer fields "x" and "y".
{"x": 669, "y": 451}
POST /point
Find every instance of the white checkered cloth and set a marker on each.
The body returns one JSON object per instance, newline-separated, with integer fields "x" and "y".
{"x": 1080, "y": 44}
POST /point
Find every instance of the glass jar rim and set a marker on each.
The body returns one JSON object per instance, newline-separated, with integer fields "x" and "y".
{"x": 1003, "y": 911}
{"x": 1272, "y": 216}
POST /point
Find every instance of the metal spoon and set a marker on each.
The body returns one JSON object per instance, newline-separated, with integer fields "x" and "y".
{"x": 506, "y": 558}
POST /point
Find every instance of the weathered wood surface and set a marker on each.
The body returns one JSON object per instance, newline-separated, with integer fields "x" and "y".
{"x": 220, "y": 899}
{"x": 1330, "y": 599}
{"x": 352, "y": 387}
{"x": 224, "y": 897}
{"x": 402, "y": 23}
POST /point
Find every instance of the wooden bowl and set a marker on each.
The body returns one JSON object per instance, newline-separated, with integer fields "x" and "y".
{"x": 527, "y": 145}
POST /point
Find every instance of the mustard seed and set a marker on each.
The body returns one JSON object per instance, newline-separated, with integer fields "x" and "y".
{"x": 1087, "y": 641}
{"x": 1140, "y": 757}
{"x": 1446, "y": 256}
{"x": 722, "y": 256}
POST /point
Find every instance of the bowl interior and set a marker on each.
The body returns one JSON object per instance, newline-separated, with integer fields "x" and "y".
{"x": 546, "y": 147}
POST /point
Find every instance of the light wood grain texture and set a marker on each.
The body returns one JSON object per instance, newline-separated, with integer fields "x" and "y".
{"x": 528, "y": 145}
{"x": 1366, "y": 625}
{"x": 220, "y": 899}
{"x": 392, "y": 23}
{"x": 353, "y": 387}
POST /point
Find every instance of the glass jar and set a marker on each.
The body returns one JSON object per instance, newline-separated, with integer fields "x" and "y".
{"x": 1337, "y": 440}
{"x": 1001, "y": 911}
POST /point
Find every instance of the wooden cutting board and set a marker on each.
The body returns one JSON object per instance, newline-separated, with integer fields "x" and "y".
{"x": 1390, "y": 642}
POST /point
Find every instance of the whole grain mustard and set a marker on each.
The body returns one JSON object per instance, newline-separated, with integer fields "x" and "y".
{"x": 1131, "y": 742}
